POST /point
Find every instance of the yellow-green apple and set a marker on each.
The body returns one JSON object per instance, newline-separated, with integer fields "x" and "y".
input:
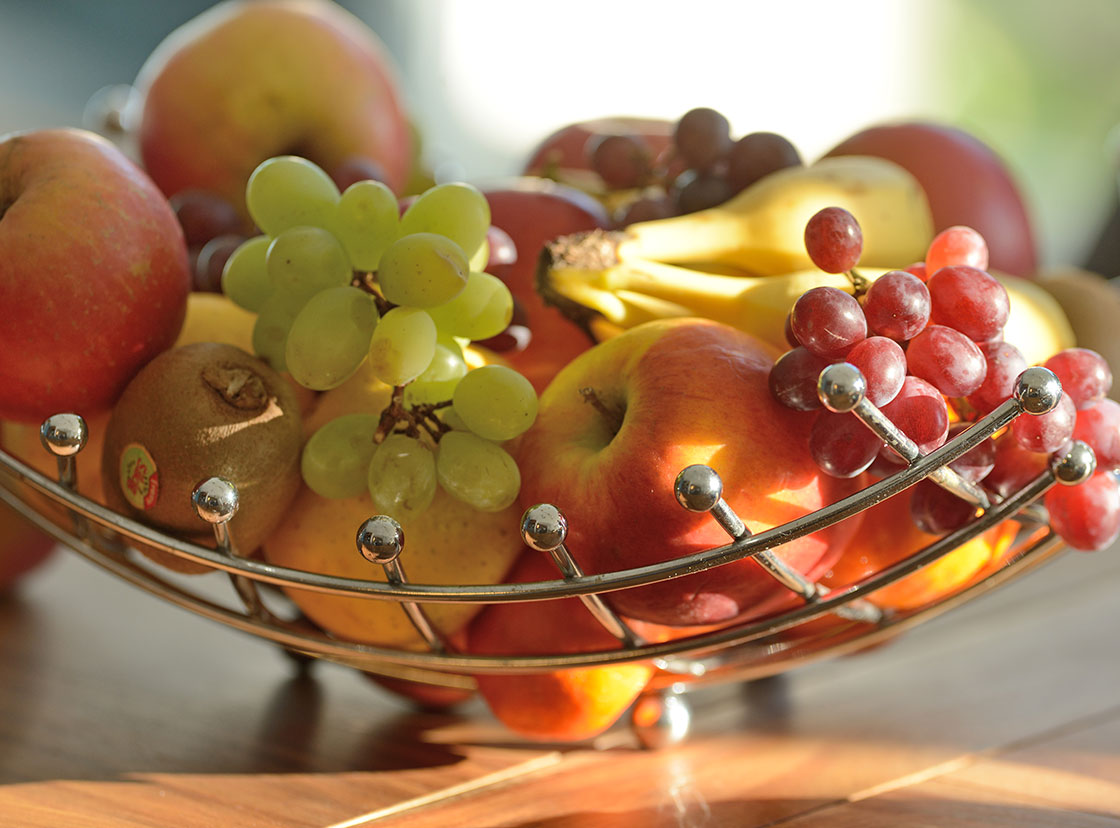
{"x": 618, "y": 424}
{"x": 93, "y": 273}
{"x": 245, "y": 81}
{"x": 22, "y": 546}
{"x": 966, "y": 182}
{"x": 533, "y": 211}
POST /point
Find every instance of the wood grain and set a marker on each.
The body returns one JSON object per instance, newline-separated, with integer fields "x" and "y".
{"x": 119, "y": 711}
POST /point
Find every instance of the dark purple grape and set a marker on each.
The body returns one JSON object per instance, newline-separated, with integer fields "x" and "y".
{"x": 759, "y": 154}
{"x": 702, "y": 137}
{"x": 702, "y": 191}
{"x": 793, "y": 379}
{"x": 622, "y": 161}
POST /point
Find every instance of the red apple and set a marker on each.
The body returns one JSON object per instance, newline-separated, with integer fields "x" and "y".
{"x": 22, "y": 546}
{"x": 245, "y": 81}
{"x": 93, "y": 273}
{"x": 965, "y": 181}
{"x": 565, "y": 155}
{"x": 533, "y": 211}
{"x": 618, "y": 424}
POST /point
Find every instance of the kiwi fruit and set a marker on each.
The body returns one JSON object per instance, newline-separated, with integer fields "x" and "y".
{"x": 197, "y": 411}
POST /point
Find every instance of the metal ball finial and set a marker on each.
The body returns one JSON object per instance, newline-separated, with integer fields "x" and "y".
{"x": 660, "y": 719}
{"x": 63, "y": 435}
{"x": 215, "y": 500}
{"x": 698, "y": 488}
{"x": 544, "y": 527}
{"x": 841, "y": 387}
{"x": 1076, "y": 465}
{"x": 1038, "y": 390}
{"x": 380, "y": 540}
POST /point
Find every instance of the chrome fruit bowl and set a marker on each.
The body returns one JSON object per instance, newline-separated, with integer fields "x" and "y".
{"x": 249, "y": 599}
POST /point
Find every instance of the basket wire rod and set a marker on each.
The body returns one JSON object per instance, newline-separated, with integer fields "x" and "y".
{"x": 822, "y": 518}
{"x": 380, "y": 539}
{"x": 359, "y": 654}
{"x": 842, "y": 388}
{"x": 215, "y": 500}
{"x": 545, "y": 529}
{"x": 64, "y": 436}
{"x": 699, "y": 488}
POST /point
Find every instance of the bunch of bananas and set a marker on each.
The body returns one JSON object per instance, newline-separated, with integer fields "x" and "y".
{"x": 744, "y": 263}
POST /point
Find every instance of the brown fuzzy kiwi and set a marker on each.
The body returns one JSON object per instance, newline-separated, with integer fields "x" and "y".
{"x": 198, "y": 411}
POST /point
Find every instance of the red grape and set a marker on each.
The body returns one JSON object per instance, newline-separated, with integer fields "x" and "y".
{"x": 790, "y": 338}
{"x": 1087, "y": 515}
{"x": 647, "y": 208}
{"x": 356, "y": 168}
{"x": 211, "y": 261}
{"x": 936, "y": 511}
{"x": 897, "y": 305}
{"x": 204, "y": 215}
{"x": 918, "y": 269}
{"x": 1098, "y": 424}
{"x": 976, "y": 463}
{"x": 957, "y": 245}
{"x": 969, "y": 300}
{"x": 622, "y": 161}
{"x": 833, "y": 240}
{"x": 1014, "y": 466}
{"x": 793, "y": 379}
{"x": 701, "y": 191}
{"x": 842, "y": 445}
{"x": 702, "y": 137}
{"x": 948, "y": 359}
{"x": 1046, "y": 432}
{"x": 1084, "y": 374}
{"x": 1005, "y": 363}
{"x": 883, "y": 365}
{"x": 920, "y": 412}
{"x": 759, "y": 154}
{"x": 828, "y": 321}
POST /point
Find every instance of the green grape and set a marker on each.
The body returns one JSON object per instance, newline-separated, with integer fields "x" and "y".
{"x": 245, "y": 278}
{"x": 451, "y": 419}
{"x": 483, "y": 309}
{"x": 422, "y": 270}
{"x": 439, "y": 379}
{"x": 495, "y": 402}
{"x": 289, "y": 191}
{"x": 481, "y": 257}
{"x": 402, "y": 477}
{"x": 270, "y": 331}
{"x": 366, "y": 221}
{"x": 477, "y": 471}
{"x": 455, "y": 210}
{"x": 336, "y": 457}
{"x": 330, "y": 337}
{"x": 403, "y": 345}
{"x": 305, "y": 260}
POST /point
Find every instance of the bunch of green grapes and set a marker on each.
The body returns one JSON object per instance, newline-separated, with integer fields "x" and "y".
{"x": 341, "y": 279}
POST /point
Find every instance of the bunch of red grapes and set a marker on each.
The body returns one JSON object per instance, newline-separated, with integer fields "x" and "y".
{"x": 703, "y": 167}
{"x": 929, "y": 343}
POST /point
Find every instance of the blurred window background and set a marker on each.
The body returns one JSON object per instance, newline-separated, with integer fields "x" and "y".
{"x": 487, "y": 79}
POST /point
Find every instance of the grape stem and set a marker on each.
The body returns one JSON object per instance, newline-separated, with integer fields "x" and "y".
{"x": 368, "y": 283}
{"x": 415, "y": 422}
{"x": 860, "y": 283}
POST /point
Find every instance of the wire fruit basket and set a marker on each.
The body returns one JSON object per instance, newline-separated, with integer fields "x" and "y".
{"x": 737, "y": 652}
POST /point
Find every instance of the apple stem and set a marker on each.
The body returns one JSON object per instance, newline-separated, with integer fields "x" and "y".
{"x": 613, "y": 417}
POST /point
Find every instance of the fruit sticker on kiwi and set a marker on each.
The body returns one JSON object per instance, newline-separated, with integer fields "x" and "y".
{"x": 139, "y": 476}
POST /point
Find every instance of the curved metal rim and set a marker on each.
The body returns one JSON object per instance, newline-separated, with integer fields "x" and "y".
{"x": 722, "y": 641}
{"x": 538, "y": 590}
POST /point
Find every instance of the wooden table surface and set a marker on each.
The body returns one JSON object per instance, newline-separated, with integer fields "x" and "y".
{"x": 117, "y": 710}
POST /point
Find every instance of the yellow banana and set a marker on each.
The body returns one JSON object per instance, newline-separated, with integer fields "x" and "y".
{"x": 762, "y": 229}
{"x": 629, "y": 293}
